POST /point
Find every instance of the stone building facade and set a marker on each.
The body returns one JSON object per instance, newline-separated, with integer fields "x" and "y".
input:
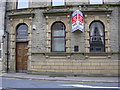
{"x": 2, "y": 21}
{"x": 36, "y": 44}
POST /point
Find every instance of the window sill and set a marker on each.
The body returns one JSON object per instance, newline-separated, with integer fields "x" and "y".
{"x": 66, "y": 55}
{"x": 22, "y": 15}
{"x": 58, "y": 55}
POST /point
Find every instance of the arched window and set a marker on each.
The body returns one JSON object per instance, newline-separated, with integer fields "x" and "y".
{"x": 58, "y": 37}
{"x": 97, "y": 37}
{"x": 22, "y": 4}
{"x": 22, "y": 31}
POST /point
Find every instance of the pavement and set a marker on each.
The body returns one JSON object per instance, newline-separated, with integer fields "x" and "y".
{"x": 68, "y": 78}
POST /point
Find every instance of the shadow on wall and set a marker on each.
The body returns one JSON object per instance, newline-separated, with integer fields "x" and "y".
{"x": 119, "y": 32}
{"x": 0, "y": 66}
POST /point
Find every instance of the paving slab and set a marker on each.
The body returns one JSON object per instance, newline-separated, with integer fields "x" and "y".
{"x": 76, "y": 79}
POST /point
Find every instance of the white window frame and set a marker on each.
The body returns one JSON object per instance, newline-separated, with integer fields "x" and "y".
{"x": 58, "y": 2}
{"x": 96, "y": 1}
{"x": 22, "y": 4}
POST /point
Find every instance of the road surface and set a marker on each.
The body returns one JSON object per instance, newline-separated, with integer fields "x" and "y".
{"x": 22, "y": 83}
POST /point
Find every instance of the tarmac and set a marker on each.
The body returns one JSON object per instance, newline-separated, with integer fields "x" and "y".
{"x": 68, "y": 78}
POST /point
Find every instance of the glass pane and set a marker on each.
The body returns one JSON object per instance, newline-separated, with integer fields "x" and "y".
{"x": 97, "y": 37}
{"x": 58, "y": 33}
{"x": 96, "y": 1}
{"x": 97, "y": 32}
{"x": 58, "y": 2}
{"x": 96, "y": 28}
{"x": 22, "y": 32}
{"x": 23, "y": 4}
{"x": 58, "y": 29}
{"x": 58, "y": 44}
{"x": 58, "y": 26}
{"x": 97, "y": 48}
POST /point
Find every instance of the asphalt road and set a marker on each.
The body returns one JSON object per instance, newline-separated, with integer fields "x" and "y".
{"x": 8, "y": 83}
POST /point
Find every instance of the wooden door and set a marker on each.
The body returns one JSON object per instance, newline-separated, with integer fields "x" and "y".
{"x": 21, "y": 57}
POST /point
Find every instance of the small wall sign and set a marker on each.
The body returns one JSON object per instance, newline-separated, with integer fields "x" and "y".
{"x": 77, "y": 21}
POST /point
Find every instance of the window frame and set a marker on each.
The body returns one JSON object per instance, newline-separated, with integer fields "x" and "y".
{"x": 17, "y": 5}
{"x": 52, "y": 37}
{"x": 96, "y": 2}
{"x": 58, "y": 5}
{"x": 103, "y": 36}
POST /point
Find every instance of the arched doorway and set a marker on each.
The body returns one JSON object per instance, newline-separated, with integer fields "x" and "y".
{"x": 21, "y": 47}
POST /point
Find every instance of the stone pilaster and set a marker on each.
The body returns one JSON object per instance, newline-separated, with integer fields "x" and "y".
{"x": 87, "y": 37}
